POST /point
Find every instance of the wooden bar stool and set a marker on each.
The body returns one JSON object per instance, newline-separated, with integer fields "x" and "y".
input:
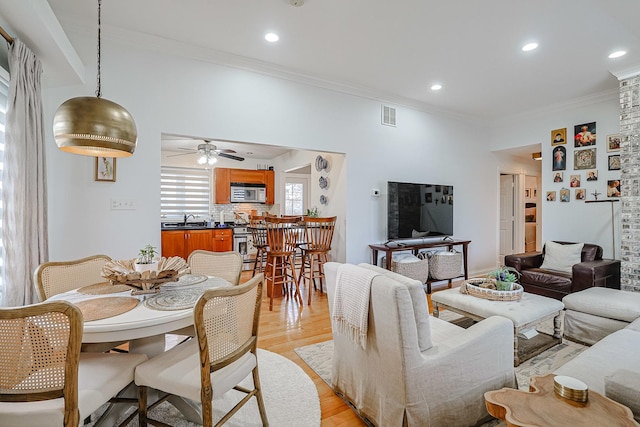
{"x": 315, "y": 251}
{"x": 280, "y": 273}
{"x": 259, "y": 240}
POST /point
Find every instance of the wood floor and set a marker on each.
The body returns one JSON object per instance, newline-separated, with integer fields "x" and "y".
{"x": 288, "y": 327}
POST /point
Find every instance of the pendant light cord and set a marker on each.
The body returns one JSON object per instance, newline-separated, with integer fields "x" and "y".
{"x": 99, "y": 84}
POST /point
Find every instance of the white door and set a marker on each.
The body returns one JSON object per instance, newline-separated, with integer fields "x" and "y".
{"x": 507, "y": 217}
{"x": 296, "y": 194}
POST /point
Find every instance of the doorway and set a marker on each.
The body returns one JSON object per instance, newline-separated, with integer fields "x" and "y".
{"x": 296, "y": 193}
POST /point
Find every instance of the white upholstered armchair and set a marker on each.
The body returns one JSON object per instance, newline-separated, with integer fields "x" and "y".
{"x": 417, "y": 370}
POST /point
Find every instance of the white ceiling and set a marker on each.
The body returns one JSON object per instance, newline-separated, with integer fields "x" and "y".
{"x": 397, "y": 49}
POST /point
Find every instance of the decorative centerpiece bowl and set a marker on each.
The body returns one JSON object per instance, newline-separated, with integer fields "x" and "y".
{"x": 499, "y": 285}
{"x": 123, "y": 272}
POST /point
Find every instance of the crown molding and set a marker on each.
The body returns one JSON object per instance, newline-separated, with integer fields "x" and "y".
{"x": 627, "y": 72}
{"x": 199, "y": 53}
{"x": 594, "y": 98}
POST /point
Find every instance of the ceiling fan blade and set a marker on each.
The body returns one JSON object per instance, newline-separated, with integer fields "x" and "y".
{"x": 188, "y": 149}
{"x": 231, "y": 156}
{"x": 225, "y": 150}
{"x": 181, "y": 154}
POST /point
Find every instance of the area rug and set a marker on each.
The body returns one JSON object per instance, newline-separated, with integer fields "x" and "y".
{"x": 318, "y": 357}
{"x": 283, "y": 384}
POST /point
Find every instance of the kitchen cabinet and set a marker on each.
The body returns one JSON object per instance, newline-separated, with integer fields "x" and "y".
{"x": 182, "y": 242}
{"x": 222, "y": 185}
{"x": 225, "y": 176}
{"x": 222, "y": 240}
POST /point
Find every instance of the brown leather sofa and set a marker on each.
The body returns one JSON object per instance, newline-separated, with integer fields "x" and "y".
{"x": 592, "y": 271}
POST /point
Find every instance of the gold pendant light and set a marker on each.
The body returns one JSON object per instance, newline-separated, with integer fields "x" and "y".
{"x": 95, "y": 126}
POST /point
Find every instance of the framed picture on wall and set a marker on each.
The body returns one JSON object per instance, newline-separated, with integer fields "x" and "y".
{"x": 580, "y": 194}
{"x": 558, "y": 177}
{"x": 551, "y": 196}
{"x": 592, "y": 175}
{"x": 613, "y": 142}
{"x": 584, "y": 134}
{"x": 559, "y": 158}
{"x": 105, "y": 169}
{"x": 584, "y": 159}
{"x": 614, "y": 162}
{"x": 559, "y": 136}
{"x": 565, "y": 195}
{"x": 613, "y": 188}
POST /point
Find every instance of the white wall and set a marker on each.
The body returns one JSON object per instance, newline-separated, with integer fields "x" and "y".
{"x": 188, "y": 97}
{"x": 574, "y": 221}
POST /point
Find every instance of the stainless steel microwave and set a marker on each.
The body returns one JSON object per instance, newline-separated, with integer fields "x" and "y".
{"x": 248, "y": 193}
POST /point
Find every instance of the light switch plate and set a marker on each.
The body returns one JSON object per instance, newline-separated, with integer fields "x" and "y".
{"x": 123, "y": 204}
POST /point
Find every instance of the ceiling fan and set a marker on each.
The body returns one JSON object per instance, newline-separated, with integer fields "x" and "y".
{"x": 208, "y": 153}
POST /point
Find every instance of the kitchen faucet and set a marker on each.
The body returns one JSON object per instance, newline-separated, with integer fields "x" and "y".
{"x": 186, "y": 217}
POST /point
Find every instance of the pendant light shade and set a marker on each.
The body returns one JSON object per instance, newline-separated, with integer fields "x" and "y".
{"x": 94, "y": 127}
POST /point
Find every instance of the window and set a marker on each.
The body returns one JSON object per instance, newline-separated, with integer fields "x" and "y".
{"x": 4, "y": 92}
{"x": 295, "y": 195}
{"x": 184, "y": 191}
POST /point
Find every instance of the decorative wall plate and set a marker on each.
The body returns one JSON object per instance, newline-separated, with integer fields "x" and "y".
{"x": 324, "y": 200}
{"x": 323, "y": 182}
{"x": 319, "y": 163}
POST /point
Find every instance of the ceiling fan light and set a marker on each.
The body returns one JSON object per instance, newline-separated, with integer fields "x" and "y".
{"x": 202, "y": 160}
{"x": 212, "y": 161}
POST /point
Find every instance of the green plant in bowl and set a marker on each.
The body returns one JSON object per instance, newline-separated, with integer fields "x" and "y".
{"x": 504, "y": 277}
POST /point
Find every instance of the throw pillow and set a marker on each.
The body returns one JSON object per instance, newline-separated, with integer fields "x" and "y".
{"x": 561, "y": 257}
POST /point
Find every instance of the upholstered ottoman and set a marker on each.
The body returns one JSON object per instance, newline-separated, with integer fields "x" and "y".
{"x": 594, "y": 313}
{"x": 525, "y": 314}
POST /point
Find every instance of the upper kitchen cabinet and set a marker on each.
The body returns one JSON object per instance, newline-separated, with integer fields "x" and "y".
{"x": 225, "y": 176}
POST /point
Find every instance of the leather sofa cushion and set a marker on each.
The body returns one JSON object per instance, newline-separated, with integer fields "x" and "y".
{"x": 546, "y": 279}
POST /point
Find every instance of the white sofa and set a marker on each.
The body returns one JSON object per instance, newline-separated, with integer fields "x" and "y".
{"x": 418, "y": 370}
{"x": 611, "y": 366}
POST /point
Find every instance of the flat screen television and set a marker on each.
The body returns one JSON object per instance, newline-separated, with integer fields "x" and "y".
{"x": 419, "y": 210}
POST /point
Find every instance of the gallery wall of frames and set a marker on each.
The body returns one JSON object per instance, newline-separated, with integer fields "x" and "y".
{"x": 575, "y": 167}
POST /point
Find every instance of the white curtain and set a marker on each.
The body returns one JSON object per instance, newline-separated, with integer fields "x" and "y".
{"x": 24, "y": 190}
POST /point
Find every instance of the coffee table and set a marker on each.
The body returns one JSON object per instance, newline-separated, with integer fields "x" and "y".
{"x": 525, "y": 314}
{"x": 540, "y": 406}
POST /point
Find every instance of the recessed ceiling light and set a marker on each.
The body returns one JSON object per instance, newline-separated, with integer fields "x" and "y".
{"x": 617, "y": 54}
{"x": 529, "y": 46}
{"x": 436, "y": 86}
{"x": 271, "y": 37}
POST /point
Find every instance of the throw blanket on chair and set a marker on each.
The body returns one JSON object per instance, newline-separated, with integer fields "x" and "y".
{"x": 351, "y": 302}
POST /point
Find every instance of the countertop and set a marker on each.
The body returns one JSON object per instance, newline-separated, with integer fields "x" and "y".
{"x": 197, "y": 226}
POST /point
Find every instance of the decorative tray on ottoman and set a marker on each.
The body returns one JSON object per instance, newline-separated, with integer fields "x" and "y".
{"x": 485, "y": 288}
{"x": 122, "y": 272}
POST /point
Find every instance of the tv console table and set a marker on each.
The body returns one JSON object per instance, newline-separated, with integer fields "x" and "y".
{"x": 389, "y": 249}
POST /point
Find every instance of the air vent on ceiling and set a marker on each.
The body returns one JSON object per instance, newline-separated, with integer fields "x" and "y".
{"x": 388, "y": 116}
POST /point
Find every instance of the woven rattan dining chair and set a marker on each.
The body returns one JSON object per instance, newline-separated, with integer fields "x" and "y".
{"x": 226, "y": 265}
{"x": 223, "y": 354}
{"x": 259, "y": 241}
{"x": 315, "y": 250}
{"x": 55, "y": 277}
{"x": 280, "y": 272}
{"x": 44, "y": 379}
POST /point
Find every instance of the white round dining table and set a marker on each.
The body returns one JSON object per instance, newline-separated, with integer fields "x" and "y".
{"x": 142, "y": 326}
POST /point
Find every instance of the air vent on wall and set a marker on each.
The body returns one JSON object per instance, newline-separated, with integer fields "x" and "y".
{"x": 388, "y": 116}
